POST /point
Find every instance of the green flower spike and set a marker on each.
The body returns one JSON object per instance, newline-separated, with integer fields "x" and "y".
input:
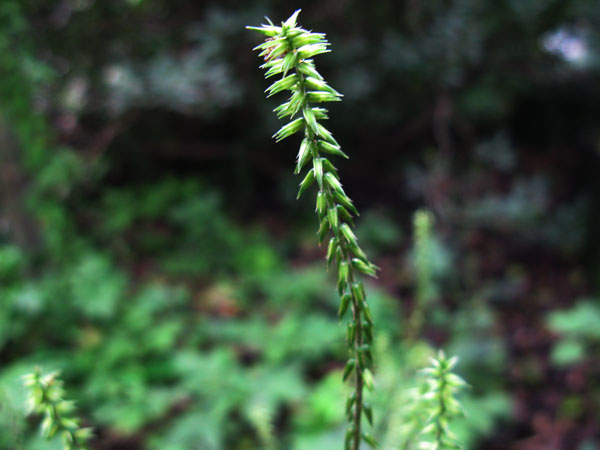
{"x": 46, "y": 396}
{"x": 440, "y": 402}
{"x": 288, "y": 52}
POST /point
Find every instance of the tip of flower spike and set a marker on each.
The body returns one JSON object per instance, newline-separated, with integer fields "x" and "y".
{"x": 291, "y": 22}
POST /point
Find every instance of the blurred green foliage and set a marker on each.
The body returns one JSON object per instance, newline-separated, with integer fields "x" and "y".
{"x": 151, "y": 249}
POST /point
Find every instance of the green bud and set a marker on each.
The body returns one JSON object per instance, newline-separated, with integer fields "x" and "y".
{"x": 369, "y": 439}
{"x": 366, "y": 350}
{"x": 349, "y": 437}
{"x": 283, "y": 110}
{"x": 291, "y": 128}
{"x": 344, "y": 302}
{"x": 308, "y": 38}
{"x": 351, "y": 333}
{"x": 321, "y": 202}
{"x": 323, "y": 229}
{"x": 331, "y": 248}
{"x": 326, "y": 134}
{"x": 350, "y": 365}
{"x": 322, "y": 96}
{"x": 367, "y": 329}
{"x": 328, "y": 167}
{"x": 327, "y": 147}
{"x": 333, "y": 218}
{"x": 342, "y": 199}
{"x": 333, "y": 182}
{"x": 269, "y": 31}
{"x": 308, "y": 68}
{"x": 310, "y": 118}
{"x": 348, "y": 233}
{"x": 360, "y": 265}
{"x": 289, "y": 61}
{"x": 368, "y": 411}
{"x": 344, "y": 214}
{"x": 319, "y": 85}
{"x": 367, "y": 377}
{"x": 343, "y": 273}
{"x": 318, "y": 167}
{"x": 357, "y": 291}
{"x": 306, "y": 183}
{"x": 303, "y": 155}
{"x": 350, "y": 402}
{"x": 310, "y": 50}
{"x": 291, "y": 21}
{"x": 358, "y": 252}
{"x": 275, "y": 67}
{"x": 283, "y": 84}
{"x": 320, "y": 113}
{"x": 367, "y": 312}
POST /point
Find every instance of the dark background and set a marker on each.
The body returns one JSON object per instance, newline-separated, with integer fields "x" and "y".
{"x": 151, "y": 247}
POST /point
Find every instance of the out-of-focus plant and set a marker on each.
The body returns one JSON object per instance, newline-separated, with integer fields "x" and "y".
{"x": 288, "y": 50}
{"x": 440, "y": 403}
{"x": 47, "y": 397}
{"x": 425, "y": 289}
{"x": 578, "y": 327}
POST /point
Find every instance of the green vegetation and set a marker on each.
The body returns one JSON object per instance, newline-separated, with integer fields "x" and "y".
{"x": 152, "y": 250}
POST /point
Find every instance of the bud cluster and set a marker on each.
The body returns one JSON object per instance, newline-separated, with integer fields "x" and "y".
{"x": 46, "y": 396}
{"x": 288, "y": 51}
{"x": 441, "y": 403}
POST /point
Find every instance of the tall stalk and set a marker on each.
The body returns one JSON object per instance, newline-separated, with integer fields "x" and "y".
{"x": 288, "y": 50}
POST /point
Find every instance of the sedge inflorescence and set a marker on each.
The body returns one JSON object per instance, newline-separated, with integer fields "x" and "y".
{"x": 46, "y": 396}
{"x": 288, "y": 52}
{"x": 441, "y": 404}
